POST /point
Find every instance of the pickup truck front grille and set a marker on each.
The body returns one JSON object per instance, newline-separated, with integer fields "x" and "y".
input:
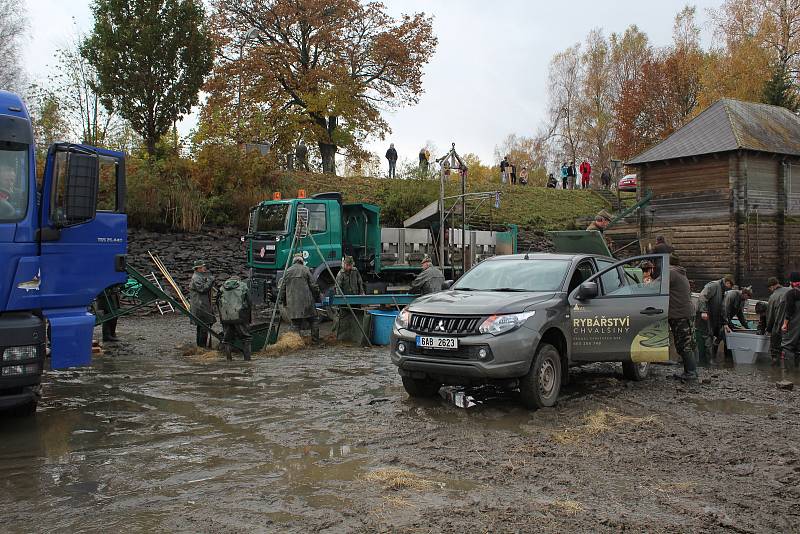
{"x": 443, "y": 325}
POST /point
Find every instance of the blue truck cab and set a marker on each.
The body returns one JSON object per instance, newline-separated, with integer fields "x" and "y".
{"x": 63, "y": 240}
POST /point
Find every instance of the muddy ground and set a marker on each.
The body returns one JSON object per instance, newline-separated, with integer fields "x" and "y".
{"x": 149, "y": 439}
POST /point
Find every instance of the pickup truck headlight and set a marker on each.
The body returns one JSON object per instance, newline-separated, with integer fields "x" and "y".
{"x": 500, "y": 324}
{"x": 402, "y": 319}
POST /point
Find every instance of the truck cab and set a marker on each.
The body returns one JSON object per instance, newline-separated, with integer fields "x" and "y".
{"x": 63, "y": 241}
{"x": 331, "y": 230}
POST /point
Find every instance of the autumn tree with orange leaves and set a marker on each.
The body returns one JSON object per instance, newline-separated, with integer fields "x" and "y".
{"x": 320, "y": 70}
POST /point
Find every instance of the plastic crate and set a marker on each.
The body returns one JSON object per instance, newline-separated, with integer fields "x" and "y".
{"x": 746, "y": 346}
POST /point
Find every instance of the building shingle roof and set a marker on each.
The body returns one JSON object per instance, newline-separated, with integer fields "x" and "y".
{"x": 730, "y": 125}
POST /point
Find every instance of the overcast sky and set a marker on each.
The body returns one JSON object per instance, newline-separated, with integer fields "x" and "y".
{"x": 487, "y": 79}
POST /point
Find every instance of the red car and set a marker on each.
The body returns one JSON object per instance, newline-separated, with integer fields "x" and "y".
{"x": 627, "y": 183}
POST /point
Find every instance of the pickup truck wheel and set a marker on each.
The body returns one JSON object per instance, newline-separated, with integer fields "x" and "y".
{"x": 420, "y": 388}
{"x": 635, "y": 370}
{"x": 541, "y": 386}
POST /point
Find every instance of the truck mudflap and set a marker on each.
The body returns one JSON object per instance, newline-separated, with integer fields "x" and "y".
{"x": 70, "y": 337}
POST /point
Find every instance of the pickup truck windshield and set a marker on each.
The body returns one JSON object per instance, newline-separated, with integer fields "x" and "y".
{"x": 13, "y": 181}
{"x": 272, "y": 218}
{"x": 516, "y": 275}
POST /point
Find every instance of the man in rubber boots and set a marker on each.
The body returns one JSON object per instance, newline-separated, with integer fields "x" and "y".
{"x": 235, "y": 310}
{"x": 299, "y": 292}
{"x": 681, "y": 317}
{"x": 791, "y": 322}
{"x": 776, "y": 310}
{"x": 429, "y": 280}
{"x": 200, "y": 301}
{"x": 348, "y": 282}
{"x": 712, "y": 313}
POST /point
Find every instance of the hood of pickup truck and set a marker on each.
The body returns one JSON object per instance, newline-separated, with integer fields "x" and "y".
{"x": 477, "y": 302}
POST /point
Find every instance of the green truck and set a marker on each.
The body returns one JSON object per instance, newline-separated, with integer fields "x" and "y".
{"x": 388, "y": 258}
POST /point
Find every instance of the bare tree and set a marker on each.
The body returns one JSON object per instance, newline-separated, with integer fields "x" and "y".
{"x": 13, "y": 24}
{"x": 565, "y": 101}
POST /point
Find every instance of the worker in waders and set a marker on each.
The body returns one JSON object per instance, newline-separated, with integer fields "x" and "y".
{"x": 776, "y": 310}
{"x": 791, "y": 322}
{"x": 712, "y": 313}
{"x": 200, "y": 301}
{"x": 299, "y": 292}
{"x": 430, "y": 280}
{"x": 348, "y": 282}
{"x": 235, "y": 310}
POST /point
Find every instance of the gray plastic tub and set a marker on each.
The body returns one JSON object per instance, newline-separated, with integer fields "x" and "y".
{"x": 746, "y": 346}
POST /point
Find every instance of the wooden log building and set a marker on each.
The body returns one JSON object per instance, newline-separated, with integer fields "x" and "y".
{"x": 726, "y": 193}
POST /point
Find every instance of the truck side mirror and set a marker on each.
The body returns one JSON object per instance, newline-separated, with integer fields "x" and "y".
{"x": 447, "y": 284}
{"x": 587, "y": 291}
{"x": 82, "y": 181}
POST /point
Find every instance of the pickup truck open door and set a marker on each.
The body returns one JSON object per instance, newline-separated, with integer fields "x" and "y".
{"x": 616, "y": 315}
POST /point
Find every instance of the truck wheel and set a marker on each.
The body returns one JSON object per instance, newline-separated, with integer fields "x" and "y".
{"x": 541, "y": 386}
{"x": 635, "y": 370}
{"x": 420, "y": 388}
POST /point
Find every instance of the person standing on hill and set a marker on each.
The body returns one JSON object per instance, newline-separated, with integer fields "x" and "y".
{"x": 586, "y": 174}
{"x": 504, "y": 165}
{"x": 564, "y": 175}
{"x": 391, "y": 155}
{"x": 571, "y": 172}
{"x": 513, "y": 174}
{"x": 605, "y": 178}
{"x": 424, "y": 161}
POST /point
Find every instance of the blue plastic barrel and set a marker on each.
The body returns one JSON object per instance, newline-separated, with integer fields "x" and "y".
{"x": 382, "y": 322}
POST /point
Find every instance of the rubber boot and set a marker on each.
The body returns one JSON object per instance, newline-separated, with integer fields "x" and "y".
{"x": 226, "y": 349}
{"x": 315, "y": 332}
{"x": 246, "y": 351}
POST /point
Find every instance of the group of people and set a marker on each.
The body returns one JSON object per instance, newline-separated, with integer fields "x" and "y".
{"x": 721, "y": 302}
{"x": 299, "y": 293}
{"x": 582, "y": 179}
{"x": 508, "y": 173}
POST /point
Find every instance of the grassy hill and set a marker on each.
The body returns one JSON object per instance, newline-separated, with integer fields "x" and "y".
{"x": 533, "y": 208}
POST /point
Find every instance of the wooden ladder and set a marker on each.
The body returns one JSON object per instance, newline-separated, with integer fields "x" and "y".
{"x": 162, "y": 305}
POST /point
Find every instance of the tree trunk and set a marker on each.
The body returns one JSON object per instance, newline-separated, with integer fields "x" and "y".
{"x": 151, "y": 146}
{"x": 328, "y": 151}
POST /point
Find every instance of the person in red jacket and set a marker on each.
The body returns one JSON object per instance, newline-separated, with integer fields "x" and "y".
{"x": 586, "y": 173}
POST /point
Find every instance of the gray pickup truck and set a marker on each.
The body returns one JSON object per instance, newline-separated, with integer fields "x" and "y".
{"x": 521, "y": 321}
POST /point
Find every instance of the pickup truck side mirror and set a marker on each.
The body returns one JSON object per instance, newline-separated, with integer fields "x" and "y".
{"x": 447, "y": 284}
{"x": 80, "y": 192}
{"x": 587, "y": 291}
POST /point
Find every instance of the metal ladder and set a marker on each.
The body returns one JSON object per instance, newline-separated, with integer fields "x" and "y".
{"x": 162, "y": 305}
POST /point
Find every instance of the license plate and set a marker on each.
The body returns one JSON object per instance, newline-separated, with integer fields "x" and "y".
{"x": 444, "y": 343}
{"x": 269, "y": 247}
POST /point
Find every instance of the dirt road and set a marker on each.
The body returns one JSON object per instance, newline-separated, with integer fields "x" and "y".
{"x": 325, "y": 440}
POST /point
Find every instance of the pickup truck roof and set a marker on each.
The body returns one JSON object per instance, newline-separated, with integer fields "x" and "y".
{"x": 548, "y": 256}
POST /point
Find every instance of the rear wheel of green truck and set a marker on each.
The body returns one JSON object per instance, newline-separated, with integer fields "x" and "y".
{"x": 419, "y": 387}
{"x": 635, "y": 370}
{"x": 541, "y": 386}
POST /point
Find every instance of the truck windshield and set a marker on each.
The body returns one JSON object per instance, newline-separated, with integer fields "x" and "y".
{"x": 272, "y": 218}
{"x": 13, "y": 181}
{"x": 515, "y": 275}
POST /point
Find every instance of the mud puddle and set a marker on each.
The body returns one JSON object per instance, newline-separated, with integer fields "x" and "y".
{"x": 733, "y": 407}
